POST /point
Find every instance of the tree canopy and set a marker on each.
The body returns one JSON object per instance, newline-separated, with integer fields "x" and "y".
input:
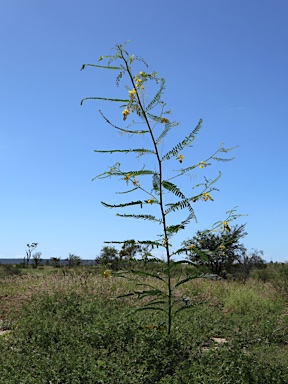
{"x": 217, "y": 251}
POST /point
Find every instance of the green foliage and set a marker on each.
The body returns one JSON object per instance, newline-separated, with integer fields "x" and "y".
{"x": 7, "y": 270}
{"x": 109, "y": 257}
{"x": 159, "y": 191}
{"x": 55, "y": 262}
{"x": 217, "y": 251}
{"x": 277, "y": 275}
{"x": 73, "y": 330}
{"x": 73, "y": 260}
{"x": 36, "y": 259}
{"x": 245, "y": 301}
{"x": 130, "y": 249}
{"x": 247, "y": 263}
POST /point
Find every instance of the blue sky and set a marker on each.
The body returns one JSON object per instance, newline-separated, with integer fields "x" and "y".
{"x": 224, "y": 61}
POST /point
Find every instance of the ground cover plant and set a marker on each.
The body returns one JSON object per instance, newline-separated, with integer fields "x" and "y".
{"x": 73, "y": 328}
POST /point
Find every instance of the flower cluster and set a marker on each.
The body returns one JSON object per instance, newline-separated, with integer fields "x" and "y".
{"x": 138, "y": 81}
{"x": 206, "y": 197}
{"x": 132, "y": 105}
{"x": 129, "y": 177}
{"x": 132, "y": 94}
{"x": 164, "y": 120}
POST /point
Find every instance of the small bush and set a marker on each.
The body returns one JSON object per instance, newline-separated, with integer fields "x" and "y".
{"x": 9, "y": 270}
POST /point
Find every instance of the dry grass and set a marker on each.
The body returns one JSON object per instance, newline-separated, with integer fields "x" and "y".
{"x": 15, "y": 291}
{"x": 82, "y": 306}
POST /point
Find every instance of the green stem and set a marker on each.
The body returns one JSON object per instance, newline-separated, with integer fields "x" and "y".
{"x": 168, "y": 256}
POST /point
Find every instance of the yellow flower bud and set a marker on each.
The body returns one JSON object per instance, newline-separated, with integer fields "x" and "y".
{"x": 107, "y": 273}
{"x": 180, "y": 158}
{"x": 125, "y": 113}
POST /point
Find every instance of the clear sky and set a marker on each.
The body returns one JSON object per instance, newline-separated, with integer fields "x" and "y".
{"x": 224, "y": 61}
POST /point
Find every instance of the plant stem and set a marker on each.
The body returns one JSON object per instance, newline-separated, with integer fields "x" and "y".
{"x": 160, "y": 174}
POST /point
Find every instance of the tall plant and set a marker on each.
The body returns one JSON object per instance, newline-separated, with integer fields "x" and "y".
{"x": 159, "y": 191}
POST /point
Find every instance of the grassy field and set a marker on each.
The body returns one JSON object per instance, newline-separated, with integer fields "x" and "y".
{"x": 68, "y": 326}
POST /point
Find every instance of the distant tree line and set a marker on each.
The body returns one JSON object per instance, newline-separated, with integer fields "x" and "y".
{"x": 220, "y": 254}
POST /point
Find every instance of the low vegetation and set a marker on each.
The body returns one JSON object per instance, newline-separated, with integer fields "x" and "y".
{"x": 68, "y": 325}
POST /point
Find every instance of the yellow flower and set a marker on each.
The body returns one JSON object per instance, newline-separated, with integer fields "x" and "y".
{"x": 127, "y": 177}
{"x": 107, "y": 273}
{"x": 201, "y": 164}
{"x": 150, "y": 201}
{"x": 137, "y": 82}
{"x": 222, "y": 247}
{"x": 132, "y": 93}
{"x": 191, "y": 246}
{"x": 206, "y": 197}
{"x": 226, "y": 226}
{"x": 135, "y": 183}
{"x": 164, "y": 120}
{"x": 180, "y": 158}
{"x": 141, "y": 73}
{"x": 125, "y": 113}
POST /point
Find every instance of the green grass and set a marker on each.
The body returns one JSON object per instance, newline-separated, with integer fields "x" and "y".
{"x": 70, "y": 327}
